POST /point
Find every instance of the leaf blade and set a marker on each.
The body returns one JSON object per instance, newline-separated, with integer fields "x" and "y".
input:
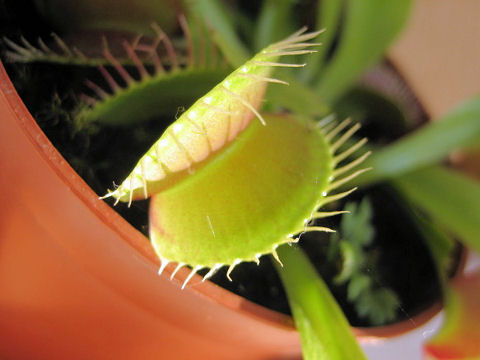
{"x": 328, "y": 17}
{"x": 324, "y": 330}
{"x": 460, "y": 128}
{"x": 273, "y": 23}
{"x": 371, "y": 25}
{"x": 449, "y": 197}
{"x": 216, "y": 17}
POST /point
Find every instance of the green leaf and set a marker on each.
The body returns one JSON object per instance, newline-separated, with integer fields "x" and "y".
{"x": 356, "y": 227}
{"x": 358, "y": 284}
{"x": 204, "y": 50}
{"x": 216, "y": 16}
{"x": 324, "y": 330}
{"x": 274, "y": 22}
{"x": 449, "y": 197}
{"x": 379, "y": 305}
{"x": 328, "y": 18}
{"x": 370, "y": 26}
{"x": 352, "y": 261}
{"x": 460, "y": 128}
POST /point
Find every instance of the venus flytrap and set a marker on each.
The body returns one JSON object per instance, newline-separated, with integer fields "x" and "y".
{"x": 180, "y": 81}
{"x": 226, "y": 189}
{"x": 211, "y": 123}
{"x": 148, "y": 66}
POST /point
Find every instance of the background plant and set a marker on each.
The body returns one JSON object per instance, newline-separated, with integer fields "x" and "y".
{"x": 372, "y": 300}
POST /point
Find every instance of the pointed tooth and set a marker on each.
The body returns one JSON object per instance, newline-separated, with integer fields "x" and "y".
{"x": 212, "y": 271}
{"x": 337, "y": 129}
{"x": 321, "y": 215}
{"x": 349, "y": 151}
{"x": 289, "y": 40}
{"x": 328, "y": 127}
{"x": 326, "y": 120}
{"x": 179, "y": 266}
{"x": 346, "y": 179}
{"x": 263, "y": 78}
{"x": 163, "y": 265}
{"x": 107, "y": 195}
{"x": 300, "y": 45}
{"x": 130, "y": 196}
{"x": 331, "y": 198}
{"x": 289, "y": 52}
{"x": 275, "y": 256}
{"x": 231, "y": 267}
{"x": 270, "y": 64}
{"x": 116, "y": 201}
{"x": 297, "y": 33}
{"x": 347, "y": 135}
{"x": 190, "y": 276}
{"x": 351, "y": 165}
{"x": 318, "y": 228}
{"x": 298, "y": 36}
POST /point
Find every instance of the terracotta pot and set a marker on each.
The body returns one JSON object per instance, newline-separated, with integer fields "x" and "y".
{"x": 78, "y": 282}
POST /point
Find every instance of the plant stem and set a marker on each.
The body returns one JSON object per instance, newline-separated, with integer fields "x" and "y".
{"x": 324, "y": 330}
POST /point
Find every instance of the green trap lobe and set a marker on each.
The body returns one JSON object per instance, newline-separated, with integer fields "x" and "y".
{"x": 213, "y": 122}
{"x": 160, "y": 95}
{"x": 246, "y": 200}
